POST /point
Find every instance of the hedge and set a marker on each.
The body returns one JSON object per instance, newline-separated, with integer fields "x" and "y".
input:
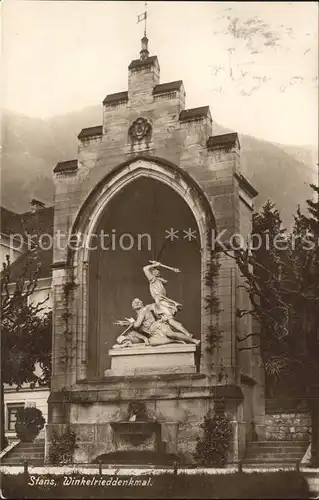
{"x": 289, "y": 484}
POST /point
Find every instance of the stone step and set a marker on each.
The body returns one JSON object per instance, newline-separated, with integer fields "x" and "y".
{"x": 275, "y": 456}
{"x": 28, "y": 448}
{"x": 25, "y": 452}
{"x": 269, "y": 465}
{"x": 281, "y": 453}
{"x": 286, "y": 444}
{"x": 283, "y": 458}
{"x": 278, "y": 446}
{"x": 276, "y": 451}
{"x": 21, "y": 458}
{"x": 26, "y": 456}
{"x": 33, "y": 453}
{"x": 19, "y": 461}
{"x": 282, "y": 449}
{"x": 35, "y": 443}
{"x": 270, "y": 459}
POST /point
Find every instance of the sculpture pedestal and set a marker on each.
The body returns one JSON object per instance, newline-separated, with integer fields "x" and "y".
{"x": 171, "y": 358}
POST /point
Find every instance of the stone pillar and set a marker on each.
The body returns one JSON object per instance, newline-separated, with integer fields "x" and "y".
{"x": 59, "y": 366}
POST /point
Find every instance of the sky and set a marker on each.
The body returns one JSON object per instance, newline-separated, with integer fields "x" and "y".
{"x": 254, "y": 63}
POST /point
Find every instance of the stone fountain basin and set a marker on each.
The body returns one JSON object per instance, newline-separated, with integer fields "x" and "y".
{"x": 144, "y": 428}
{"x": 138, "y": 435}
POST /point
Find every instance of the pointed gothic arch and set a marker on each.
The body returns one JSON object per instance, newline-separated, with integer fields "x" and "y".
{"x": 91, "y": 214}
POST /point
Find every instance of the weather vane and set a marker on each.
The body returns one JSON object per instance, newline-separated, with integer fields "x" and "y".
{"x": 143, "y": 17}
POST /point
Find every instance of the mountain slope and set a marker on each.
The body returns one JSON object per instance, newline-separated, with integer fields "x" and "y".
{"x": 277, "y": 175}
{"x": 32, "y": 147}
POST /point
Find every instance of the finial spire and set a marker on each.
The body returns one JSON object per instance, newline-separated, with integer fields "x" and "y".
{"x": 144, "y": 53}
{"x": 145, "y": 20}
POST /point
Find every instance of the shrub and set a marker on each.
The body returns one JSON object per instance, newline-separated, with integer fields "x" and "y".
{"x": 212, "y": 447}
{"x": 29, "y": 423}
{"x": 62, "y": 447}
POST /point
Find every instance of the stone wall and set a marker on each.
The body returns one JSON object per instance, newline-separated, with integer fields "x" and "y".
{"x": 288, "y": 426}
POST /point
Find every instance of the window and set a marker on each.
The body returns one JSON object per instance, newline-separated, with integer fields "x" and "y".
{"x": 12, "y": 415}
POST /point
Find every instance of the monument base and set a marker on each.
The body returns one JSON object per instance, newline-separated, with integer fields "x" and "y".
{"x": 175, "y": 406}
{"x": 171, "y": 358}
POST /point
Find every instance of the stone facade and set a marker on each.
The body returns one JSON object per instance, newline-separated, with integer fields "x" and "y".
{"x": 148, "y": 134}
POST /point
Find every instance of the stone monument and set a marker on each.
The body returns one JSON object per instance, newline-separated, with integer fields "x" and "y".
{"x": 159, "y": 185}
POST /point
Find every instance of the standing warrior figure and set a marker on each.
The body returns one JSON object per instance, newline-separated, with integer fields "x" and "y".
{"x": 164, "y": 307}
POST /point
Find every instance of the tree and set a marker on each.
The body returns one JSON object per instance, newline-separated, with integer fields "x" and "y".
{"x": 282, "y": 281}
{"x": 26, "y": 329}
{"x": 306, "y": 260}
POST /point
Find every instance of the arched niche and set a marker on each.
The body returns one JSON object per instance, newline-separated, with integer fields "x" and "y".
{"x": 143, "y": 200}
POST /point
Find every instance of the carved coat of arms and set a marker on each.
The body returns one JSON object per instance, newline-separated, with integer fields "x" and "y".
{"x": 140, "y": 129}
